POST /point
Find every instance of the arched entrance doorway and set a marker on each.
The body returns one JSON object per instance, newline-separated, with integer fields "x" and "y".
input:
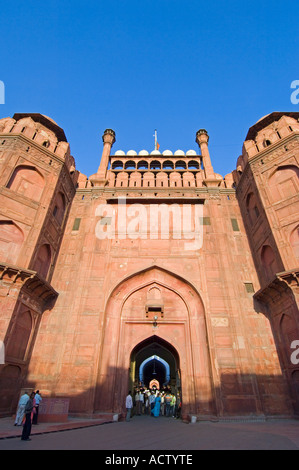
{"x": 154, "y": 366}
{"x": 160, "y": 309}
{"x": 154, "y": 359}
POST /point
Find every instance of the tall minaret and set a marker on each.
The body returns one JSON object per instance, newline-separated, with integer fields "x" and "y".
{"x": 202, "y": 139}
{"x": 99, "y": 178}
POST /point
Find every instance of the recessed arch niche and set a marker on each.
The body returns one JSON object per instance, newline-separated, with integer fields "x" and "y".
{"x": 27, "y": 181}
{"x": 22, "y": 330}
{"x": 127, "y": 326}
{"x": 11, "y": 239}
{"x": 42, "y": 261}
{"x": 284, "y": 182}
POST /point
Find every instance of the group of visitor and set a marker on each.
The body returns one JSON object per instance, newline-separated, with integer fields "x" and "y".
{"x": 27, "y": 412}
{"x": 156, "y": 403}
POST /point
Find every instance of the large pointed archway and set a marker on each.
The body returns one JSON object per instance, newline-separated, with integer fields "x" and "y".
{"x": 158, "y": 304}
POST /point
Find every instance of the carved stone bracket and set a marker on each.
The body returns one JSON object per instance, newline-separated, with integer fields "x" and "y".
{"x": 291, "y": 278}
{"x": 279, "y": 285}
{"x": 30, "y": 282}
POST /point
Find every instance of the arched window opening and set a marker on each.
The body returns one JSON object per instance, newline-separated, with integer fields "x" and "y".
{"x": 117, "y": 165}
{"x": 269, "y": 261}
{"x": 193, "y": 165}
{"x": 180, "y": 165}
{"x": 59, "y": 208}
{"x": 168, "y": 165}
{"x": 130, "y": 165}
{"x": 43, "y": 261}
{"x": 143, "y": 165}
{"x": 252, "y": 208}
{"x": 155, "y": 165}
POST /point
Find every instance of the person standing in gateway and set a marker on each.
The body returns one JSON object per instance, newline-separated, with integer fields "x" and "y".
{"x": 21, "y": 409}
{"x": 38, "y": 399}
{"x": 27, "y": 425}
{"x": 129, "y": 405}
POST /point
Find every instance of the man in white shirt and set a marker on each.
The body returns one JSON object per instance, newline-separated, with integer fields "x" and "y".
{"x": 129, "y": 405}
{"x": 21, "y": 409}
{"x": 141, "y": 402}
{"x": 38, "y": 399}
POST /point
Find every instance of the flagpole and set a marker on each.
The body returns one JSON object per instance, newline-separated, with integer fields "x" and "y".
{"x": 155, "y": 139}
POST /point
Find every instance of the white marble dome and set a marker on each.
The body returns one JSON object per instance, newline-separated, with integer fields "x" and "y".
{"x": 167, "y": 153}
{"x": 155, "y": 152}
{"x": 119, "y": 153}
{"x": 143, "y": 153}
{"x": 179, "y": 153}
{"x": 190, "y": 153}
{"x": 132, "y": 153}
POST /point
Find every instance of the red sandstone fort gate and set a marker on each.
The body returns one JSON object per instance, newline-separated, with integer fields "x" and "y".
{"x": 80, "y": 314}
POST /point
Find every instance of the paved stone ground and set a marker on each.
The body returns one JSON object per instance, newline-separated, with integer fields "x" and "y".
{"x": 160, "y": 434}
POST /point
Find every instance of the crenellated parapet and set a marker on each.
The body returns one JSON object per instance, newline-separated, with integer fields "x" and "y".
{"x": 156, "y": 169}
{"x": 37, "y": 131}
{"x": 268, "y": 132}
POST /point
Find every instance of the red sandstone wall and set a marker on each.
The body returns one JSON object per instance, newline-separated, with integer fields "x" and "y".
{"x": 268, "y": 193}
{"x": 36, "y": 189}
{"x": 218, "y": 333}
{"x": 241, "y": 370}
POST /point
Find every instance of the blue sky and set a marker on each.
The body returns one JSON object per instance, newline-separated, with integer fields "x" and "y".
{"x": 136, "y": 66}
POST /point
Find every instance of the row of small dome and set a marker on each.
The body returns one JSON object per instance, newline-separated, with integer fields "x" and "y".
{"x": 142, "y": 153}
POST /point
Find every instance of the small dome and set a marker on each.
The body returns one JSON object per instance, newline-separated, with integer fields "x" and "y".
{"x": 155, "y": 152}
{"x": 120, "y": 153}
{"x": 167, "y": 153}
{"x": 143, "y": 153}
{"x": 179, "y": 153}
{"x": 191, "y": 152}
{"x": 132, "y": 153}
